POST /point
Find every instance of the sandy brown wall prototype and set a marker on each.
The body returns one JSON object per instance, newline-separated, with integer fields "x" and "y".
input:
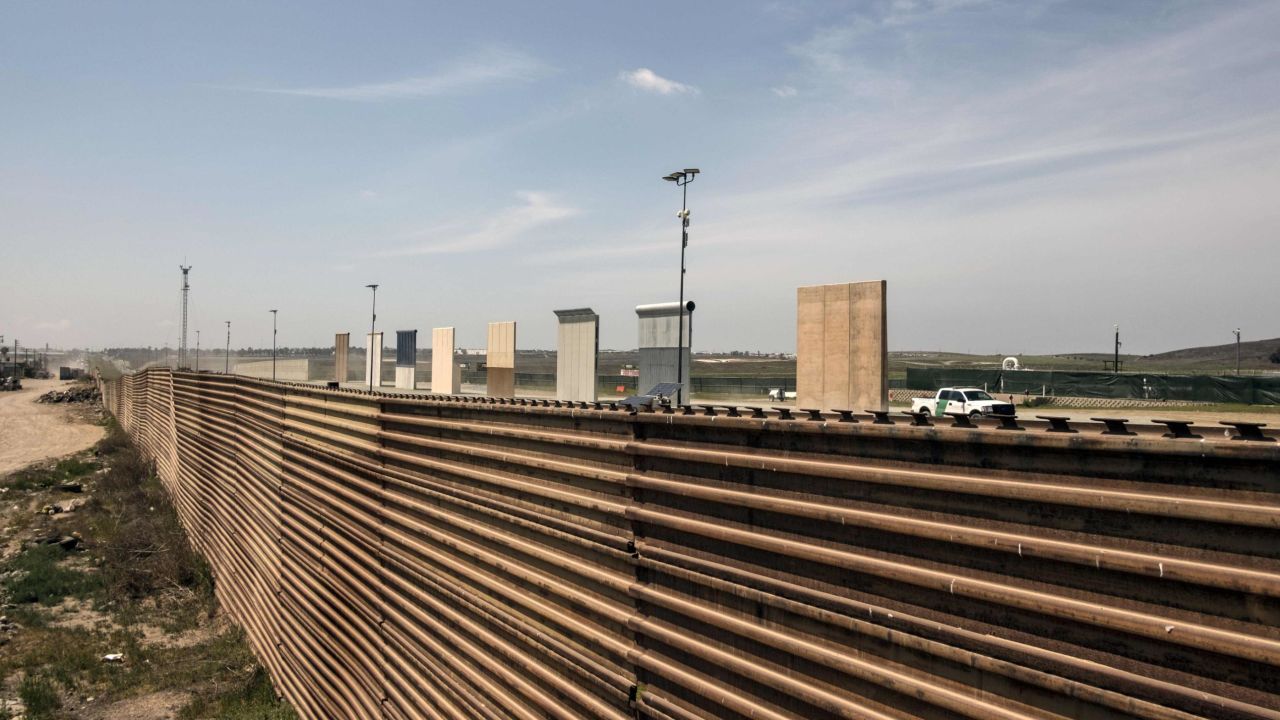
{"x": 500, "y": 360}
{"x": 426, "y": 557}
{"x": 341, "y": 353}
{"x": 445, "y": 376}
{"x": 842, "y": 346}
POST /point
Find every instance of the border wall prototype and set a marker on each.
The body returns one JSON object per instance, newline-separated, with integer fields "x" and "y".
{"x": 410, "y": 556}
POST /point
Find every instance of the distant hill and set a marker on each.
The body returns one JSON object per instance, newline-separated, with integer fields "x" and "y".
{"x": 1253, "y": 354}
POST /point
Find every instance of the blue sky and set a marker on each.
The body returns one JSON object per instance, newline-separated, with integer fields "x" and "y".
{"x": 1024, "y": 174}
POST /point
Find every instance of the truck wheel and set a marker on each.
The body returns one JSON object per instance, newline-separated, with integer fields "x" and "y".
{"x": 925, "y": 412}
{"x": 975, "y": 415}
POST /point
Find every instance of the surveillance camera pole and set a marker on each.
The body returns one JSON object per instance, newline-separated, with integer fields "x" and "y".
{"x": 682, "y": 178}
{"x": 1237, "y": 332}
{"x": 373, "y": 325}
{"x": 1115, "y": 363}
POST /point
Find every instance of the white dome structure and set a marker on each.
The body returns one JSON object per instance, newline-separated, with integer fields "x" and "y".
{"x": 1010, "y": 363}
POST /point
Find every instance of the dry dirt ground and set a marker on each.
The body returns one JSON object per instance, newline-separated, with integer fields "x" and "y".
{"x": 32, "y": 431}
{"x": 181, "y": 656}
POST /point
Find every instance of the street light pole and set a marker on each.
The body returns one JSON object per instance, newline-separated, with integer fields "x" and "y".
{"x": 273, "y": 344}
{"x": 682, "y": 178}
{"x": 1115, "y": 363}
{"x": 226, "y": 365}
{"x": 1237, "y": 331}
{"x": 373, "y": 326}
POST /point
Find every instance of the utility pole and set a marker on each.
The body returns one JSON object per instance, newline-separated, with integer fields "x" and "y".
{"x": 182, "y": 343}
{"x": 226, "y": 365}
{"x": 373, "y": 326}
{"x": 273, "y": 344}
{"x": 197, "y": 351}
{"x": 682, "y": 178}
{"x": 1237, "y": 331}
{"x": 1115, "y": 363}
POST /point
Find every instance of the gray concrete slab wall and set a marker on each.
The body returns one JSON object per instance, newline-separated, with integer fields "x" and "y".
{"x": 659, "y": 336}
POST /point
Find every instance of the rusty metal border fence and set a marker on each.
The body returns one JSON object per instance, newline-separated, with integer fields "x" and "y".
{"x": 396, "y": 556}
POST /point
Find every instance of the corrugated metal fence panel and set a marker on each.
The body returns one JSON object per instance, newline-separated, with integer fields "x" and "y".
{"x": 401, "y": 557}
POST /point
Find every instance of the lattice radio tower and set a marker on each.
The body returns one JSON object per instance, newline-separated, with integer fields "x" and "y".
{"x": 182, "y": 343}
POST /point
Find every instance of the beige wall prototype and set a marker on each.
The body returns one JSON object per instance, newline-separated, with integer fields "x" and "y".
{"x": 445, "y": 378}
{"x": 341, "y": 349}
{"x": 373, "y": 354}
{"x": 842, "y": 348}
{"x": 577, "y": 354}
{"x": 500, "y": 359}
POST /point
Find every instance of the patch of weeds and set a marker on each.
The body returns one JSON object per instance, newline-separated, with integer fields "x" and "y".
{"x": 252, "y": 699}
{"x": 70, "y": 656}
{"x": 115, "y": 441}
{"x": 220, "y": 658}
{"x": 40, "y": 697}
{"x": 42, "y": 578}
{"x": 43, "y": 477}
{"x": 27, "y": 616}
{"x": 145, "y": 573}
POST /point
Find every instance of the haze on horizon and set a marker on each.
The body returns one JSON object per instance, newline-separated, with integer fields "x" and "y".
{"x": 1024, "y": 174}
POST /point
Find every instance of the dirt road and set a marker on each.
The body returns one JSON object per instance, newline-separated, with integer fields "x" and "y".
{"x": 31, "y": 431}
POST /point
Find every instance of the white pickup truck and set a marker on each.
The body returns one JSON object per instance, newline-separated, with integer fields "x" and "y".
{"x": 970, "y": 401}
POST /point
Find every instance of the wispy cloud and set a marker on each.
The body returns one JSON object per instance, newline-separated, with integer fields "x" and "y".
{"x": 650, "y": 81}
{"x": 784, "y": 91}
{"x": 509, "y": 225}
{"x": 60, "y": 324}
{"x": 1102, "y": 106}
{"x": 487, "y": 67}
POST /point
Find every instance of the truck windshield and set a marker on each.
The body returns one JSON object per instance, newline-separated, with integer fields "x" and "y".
{"x": 977, "y": 395}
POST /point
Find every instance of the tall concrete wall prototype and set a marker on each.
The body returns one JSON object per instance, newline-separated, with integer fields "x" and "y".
{"x": 445, "y": 378}
{"x": 659, "y": 343}
{"x": 500, "y": 360}
{"x": 291, "y": 370}
{"x": 341, "y": 351}
{"x": 373, "y": 358}
{"x": 842, "y": 346}
{"x": 406, "y": 359}
{"x": 577, "y": 354}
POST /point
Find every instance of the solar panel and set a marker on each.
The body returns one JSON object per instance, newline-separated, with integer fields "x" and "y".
{"x": 664, "y": 389}
{"x": 637, "y": 400}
